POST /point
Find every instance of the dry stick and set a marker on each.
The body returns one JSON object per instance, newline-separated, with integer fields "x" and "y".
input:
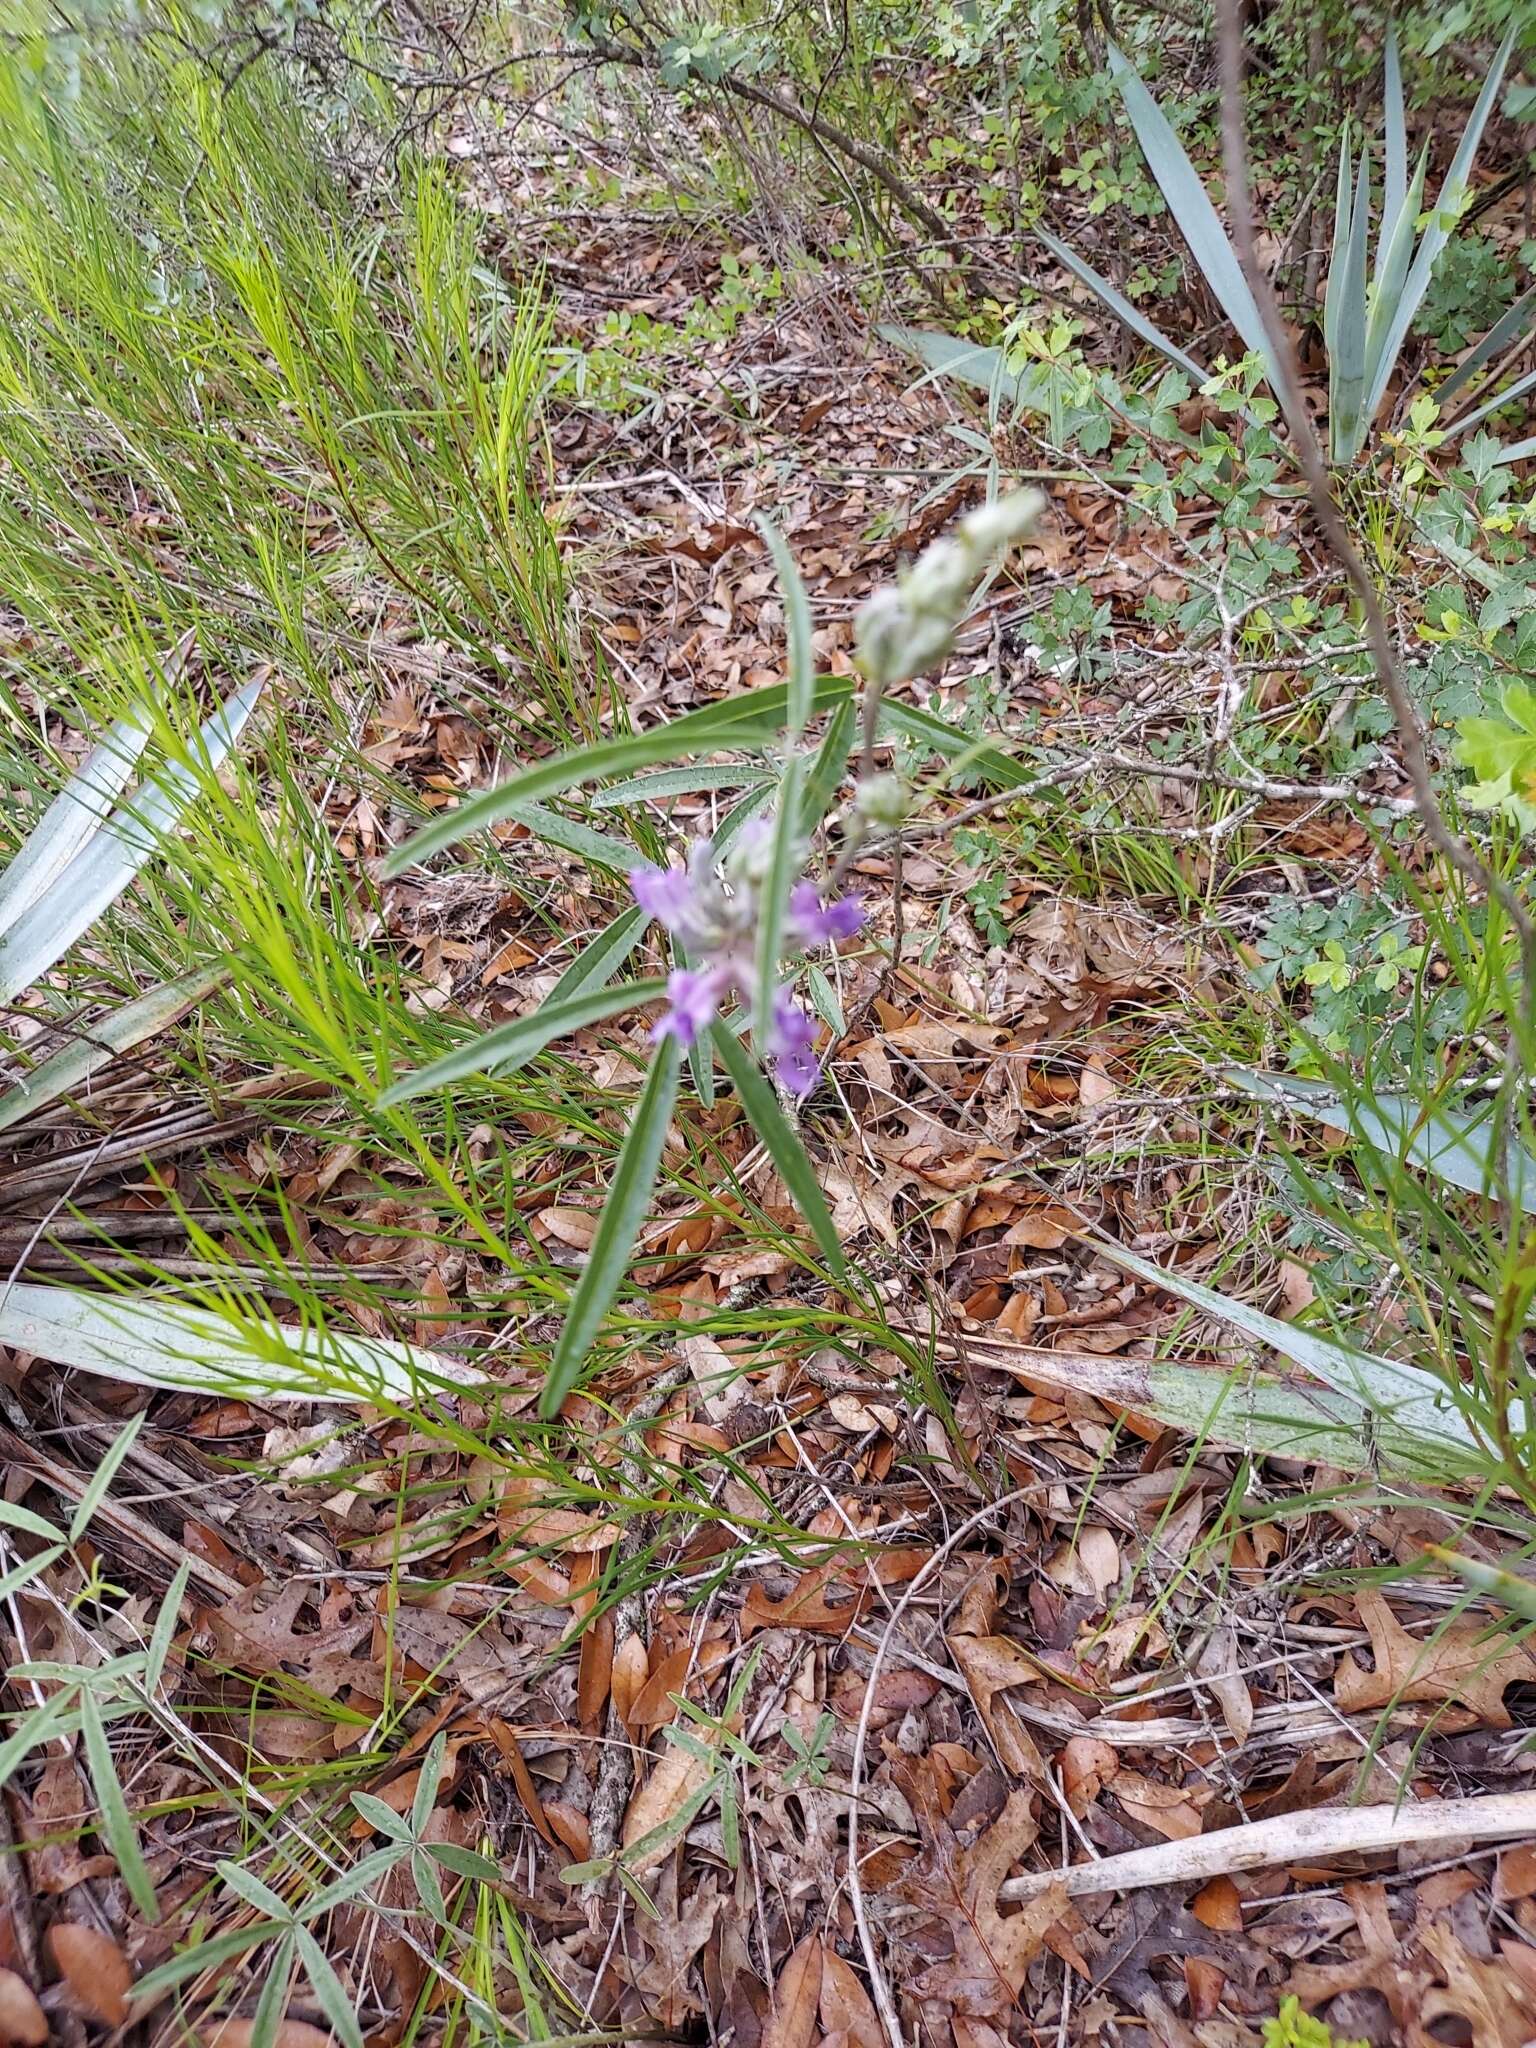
{"x": 1309, "y": 455}
{"x": 1292, "y": 1838}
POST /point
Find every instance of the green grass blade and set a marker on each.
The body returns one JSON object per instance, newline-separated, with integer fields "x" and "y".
{"x": 629, "y": 1195}
{"x": 596, "y": 962}
{"x": 1191, "y": 207}
{"x": 512, "y": 1045}
{"x": 756, "y": 1096}
{"x": 784, "y": 863}
{"x": 797, "y": 622}
{"x": 1120, "y": 306}
{"x": 96, "y": 1488}
{"x": 99, "y": 1044}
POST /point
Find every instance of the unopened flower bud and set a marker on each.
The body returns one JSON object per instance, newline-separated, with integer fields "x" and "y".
{"x": 882, "y": 801}
{"x": 881, "y": 632}
{"x": 939, "y": 581}
{"x": 998, "y": 524}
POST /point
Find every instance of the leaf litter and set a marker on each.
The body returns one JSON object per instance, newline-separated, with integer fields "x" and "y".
{"x": 1151, "y": 1636}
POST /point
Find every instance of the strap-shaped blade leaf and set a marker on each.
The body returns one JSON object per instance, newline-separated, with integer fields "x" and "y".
{"x": 160, "y": 1343}
{"x": 97, "y": 1045}
{"x": 591, "y": 968}
{"x": 773, "y": 897}
{"x": 1492, "y": 405}
{"x": 1414, "y": 1402}
{"x": 797, "y": 623}
{"x": 1346, "y": 361}
{"x": 1190, "y": 205}
{"x": 667, "y": 782}
{"x": 1438, "y": 231}
{"x": 969, "y": 362}
{"x": 756, "y": 1096}
{"x": 629, "y": 1195}
{"x": 1343, "y": 213}
{"x": 1518, "y": 451}
{"x": 1395, "y": 178}
{"x": 512, "y": 1045}
{"x": 108, "y": 862}
{"x": 1456, "y": 1146}
{"x": 1498, "y": 338}
{"x": 1394, "y": 256}
{"x": 76, "y": 814}
{"x": 1121, "y": 306}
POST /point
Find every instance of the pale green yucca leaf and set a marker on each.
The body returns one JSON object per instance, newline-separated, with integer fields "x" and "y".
{"x": 968, "y": 362}
{"x": 1343, "y": 214}
{"x": 512, "y": 1045}
{"x": 1493, "y": 343}
{"x": 1121, "y": 306}
{"x": 100, "y": 871}
{"x": 597, "y": 849}
{"x": 1517, "y": 451}
{"x": 1190, "y": 205}
{"x": 783, "y": 865}
{"x": 1347, "y": 345}
{"x": 1456, "y": 1146}
{"x": 96, "y": 1045}
{"x": 1395, "y": 179}
{"x": 629, "y": 1195}
{"x": 1438, "y": 231}
{"x": 757, "y": 1098}
{"x": 76, "y": 814}
{"x": 1490, "y": 406}
{"x": 1395, "y": 253}
{"x": 1414, "y": 1403}
{"x": 166, "y": 1343}
{"x": 797, "y": 622}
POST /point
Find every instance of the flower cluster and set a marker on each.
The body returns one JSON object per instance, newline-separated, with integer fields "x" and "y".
{"x": 712, "y": 913}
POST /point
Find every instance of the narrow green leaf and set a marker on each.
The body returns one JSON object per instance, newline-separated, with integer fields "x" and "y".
{"x": 97, "y": 1045}
{"x": 740, "y": 722}
{"x": 203, "y": 1955}
{"x": 429, "y": 1885}
{"x": 464, "y": 1862}
{"x": 329, "y": 1993}
{"x": 1343, "y": 212}
{"x": 246, "y": 1885}
{"x": 827, "y": 770}
{"x": 597, "y": 849}
{"x": 785, "y": 855}
{"x": 166, "y": 1622}
{"x": 1513, "y": 1591}
{"x": 354, "y": 1882}
{"x": 604, "y": 956}
{"x": 26, "y": 1570}
{"x": 382, "y": 1817}
{"x": 967, "y": 361}
{"x": 1127, "y": 314}
{"x": 513, "y": 1044}
{"x": 75, "y": 815}
{"x": 629, "y": 1194}
{"x": 102, "y": 1477}
{"x": 117, "y": 1827}
{"x": 427, "y": 1782}
{"x": 655, "y": 789}
{"x": 758, "y": 1099}
{"x": 1506, "y": 397}
{"x": 14, "y": 1517}
{"x": 38, "y": 1726}
{"x": 272, "y": 2005}
{"x": 797, "y": 621}
{"x": 1191, "y": 208}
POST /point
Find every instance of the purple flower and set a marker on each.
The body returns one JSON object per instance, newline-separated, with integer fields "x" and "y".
{"x": 790, "y": 1039}
{"x": 692, "y": 1000}
{"x": 663, "y": 893}
{"x": 815, "y": 923}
